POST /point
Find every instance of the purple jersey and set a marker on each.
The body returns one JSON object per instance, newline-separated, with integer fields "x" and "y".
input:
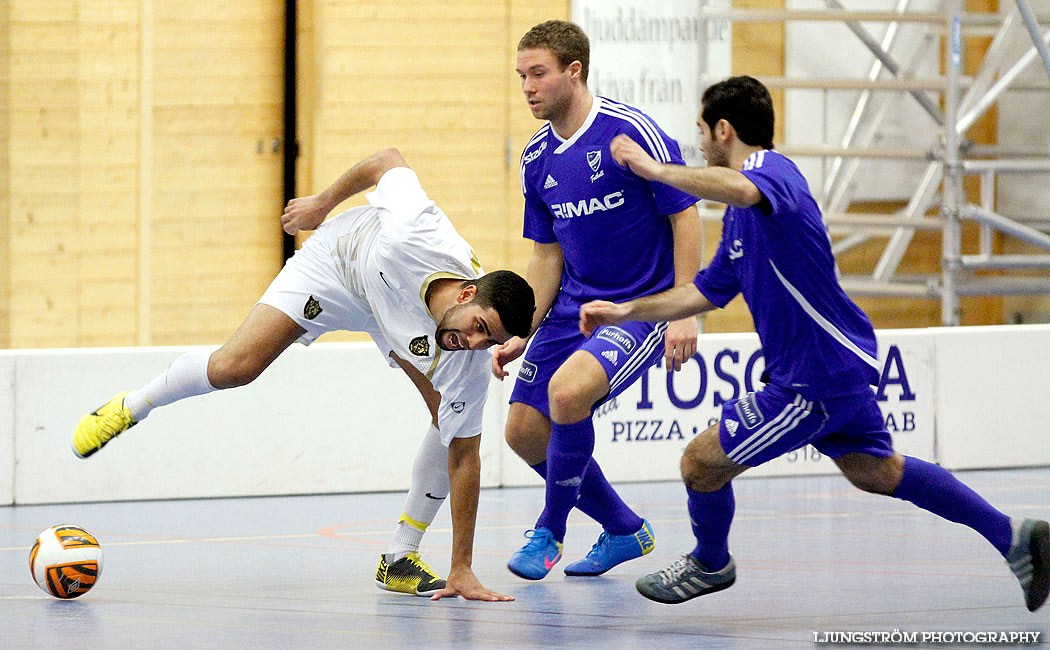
{"x": 815, "y": 340}
{"x": 612, "y": 225}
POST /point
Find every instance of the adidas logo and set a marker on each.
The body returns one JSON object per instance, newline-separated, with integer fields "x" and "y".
{"x": 731, "y": 427}
{"x": 612, "y": 355}
{"x": 550, "y": 182}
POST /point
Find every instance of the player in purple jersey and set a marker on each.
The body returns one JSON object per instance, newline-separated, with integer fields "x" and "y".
{"x": 819, "y": 349}
{"x": 599, "y": 231}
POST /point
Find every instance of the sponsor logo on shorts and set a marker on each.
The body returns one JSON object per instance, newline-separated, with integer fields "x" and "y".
{"x": 527, "y": 372}
{"x": 748, "y": 412}
{"x": 731, "y": 427}
{"x": 612, "y": 355}
{"x": 620, "y": 338}
{"x": 419, "y": 346}
{"x": 312, "y": 309}
{"x": 458, "y": 407}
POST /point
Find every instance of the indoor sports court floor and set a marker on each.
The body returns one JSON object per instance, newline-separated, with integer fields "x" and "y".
{"x": 813, "y": 556}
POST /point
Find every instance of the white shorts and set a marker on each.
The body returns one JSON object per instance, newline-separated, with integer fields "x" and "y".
{"x": 310, "y": 290}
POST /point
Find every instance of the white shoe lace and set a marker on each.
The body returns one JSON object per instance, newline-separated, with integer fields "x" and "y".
{"x": 673, "y": 573}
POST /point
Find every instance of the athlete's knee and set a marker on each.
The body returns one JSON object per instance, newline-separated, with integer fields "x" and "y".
{"x": 570, "y": 400}
{"x": 872, "y": 473}
{"x": 704, "y": 466}
{"x": 527, "y": 436}
{"x": 699, "y": 477}
{"x": 229, "y": 370}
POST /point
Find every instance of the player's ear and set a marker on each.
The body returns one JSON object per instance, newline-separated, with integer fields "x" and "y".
{"x": 723, "y": 129}
{"x": 467, "y": 293}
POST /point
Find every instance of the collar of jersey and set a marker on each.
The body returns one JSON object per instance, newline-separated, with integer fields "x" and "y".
{"x": 565, "y": 144}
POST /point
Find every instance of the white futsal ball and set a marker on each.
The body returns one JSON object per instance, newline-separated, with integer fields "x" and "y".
{"x": 66, "y": 561}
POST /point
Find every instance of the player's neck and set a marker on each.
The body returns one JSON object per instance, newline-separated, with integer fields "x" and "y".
{"x": 566, "y": 125}
{"x": 740, "y": 155}
{"x": 440, "y": 295}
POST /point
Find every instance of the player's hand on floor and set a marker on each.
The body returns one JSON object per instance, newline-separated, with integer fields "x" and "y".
{"x": 463, "y": 582}
{"x": 679, "y": 343}
{"x": 304, "y": 213}
{"x": 598, "y": 313}
{"x": 506, "y": 353}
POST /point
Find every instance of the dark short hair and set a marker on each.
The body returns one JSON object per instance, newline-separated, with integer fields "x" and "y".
{"x": 512, "y": 298}
{"x": 746, "y": 104}
{"x": 565, "y": 40}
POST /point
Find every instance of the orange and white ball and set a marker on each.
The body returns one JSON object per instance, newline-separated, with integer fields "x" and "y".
{"x": 66, "y": 561}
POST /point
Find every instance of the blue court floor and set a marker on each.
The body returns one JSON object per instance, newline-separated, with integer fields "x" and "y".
{"x": 814, "y": 555}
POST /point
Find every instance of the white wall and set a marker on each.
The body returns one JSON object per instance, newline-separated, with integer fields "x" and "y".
{"x": 335, "y": 418}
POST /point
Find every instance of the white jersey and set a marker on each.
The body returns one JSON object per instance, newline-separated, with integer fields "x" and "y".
{"x": 368, "y": 269}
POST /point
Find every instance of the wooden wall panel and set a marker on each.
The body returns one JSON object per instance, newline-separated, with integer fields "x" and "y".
{"x": 82, "y": 226}
{"x": 5, "y": 174}
{"x": 217, "y": 89}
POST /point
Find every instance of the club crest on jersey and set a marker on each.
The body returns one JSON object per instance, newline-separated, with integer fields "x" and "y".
{"x": 527, "y": 372}
{"x": 419, "y": 346}
{"x": 619, "y": 338}
{"x": 748, "y": 413}
{"x": 594, "y": 159}
{"x": 312, "y": 309}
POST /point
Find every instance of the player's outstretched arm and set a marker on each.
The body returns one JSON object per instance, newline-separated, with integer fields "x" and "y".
{"x": 719, "y": 184}
{"x": 673, "y": 304}
{"x": 308, "y": 212}
{"x": 464, "y": 473}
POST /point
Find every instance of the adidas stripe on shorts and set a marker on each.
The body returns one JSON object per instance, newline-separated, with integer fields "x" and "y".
{"x": 763, "y": 425}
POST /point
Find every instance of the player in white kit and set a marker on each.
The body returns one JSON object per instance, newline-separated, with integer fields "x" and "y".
{"x": 398, "y": 270}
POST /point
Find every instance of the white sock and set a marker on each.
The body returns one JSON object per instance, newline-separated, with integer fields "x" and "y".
{"x": 185, "y": 377}
{"x": 429, "y": 489}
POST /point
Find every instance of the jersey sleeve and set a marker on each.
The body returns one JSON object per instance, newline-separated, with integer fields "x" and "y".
{"x": 462, "y": 378}
{"x": 717, "y": 281}
{"x": 539, "y": 222}
{"x": 407, "y": 206}
{"x": 772, "y": 175}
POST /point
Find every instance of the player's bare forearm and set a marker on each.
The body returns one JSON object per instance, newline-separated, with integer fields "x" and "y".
{"x": 464, "y": 470}
{"x": 363, "y": 175}
{"x": 464, "y": 473}
{"x": 673, "y": 304}
{"x": 719, "y": 184}
{"x": 309, "y": 212}
{"x": 544, "y": 276}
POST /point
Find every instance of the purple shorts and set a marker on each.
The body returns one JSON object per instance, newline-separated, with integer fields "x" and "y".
{"x": 763, "y": 425}
{"x": 625, "y": 351}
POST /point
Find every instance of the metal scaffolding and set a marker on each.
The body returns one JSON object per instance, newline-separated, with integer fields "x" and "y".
{"x": 949, "y": 158}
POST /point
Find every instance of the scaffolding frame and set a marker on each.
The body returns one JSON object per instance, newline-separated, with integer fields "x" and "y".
{"x": 948, "y": 160}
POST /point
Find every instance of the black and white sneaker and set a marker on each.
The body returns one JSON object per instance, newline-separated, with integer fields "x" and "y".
{"x": 1029, "y": 559}
{"x": 685, "y": 579}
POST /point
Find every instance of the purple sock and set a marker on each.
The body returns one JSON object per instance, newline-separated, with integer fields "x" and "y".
{"x": 933, "y": 488}
{"x": 711, "y": 514}
{"x": 599, "y": 501}
{"x": 568, "y": 453}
